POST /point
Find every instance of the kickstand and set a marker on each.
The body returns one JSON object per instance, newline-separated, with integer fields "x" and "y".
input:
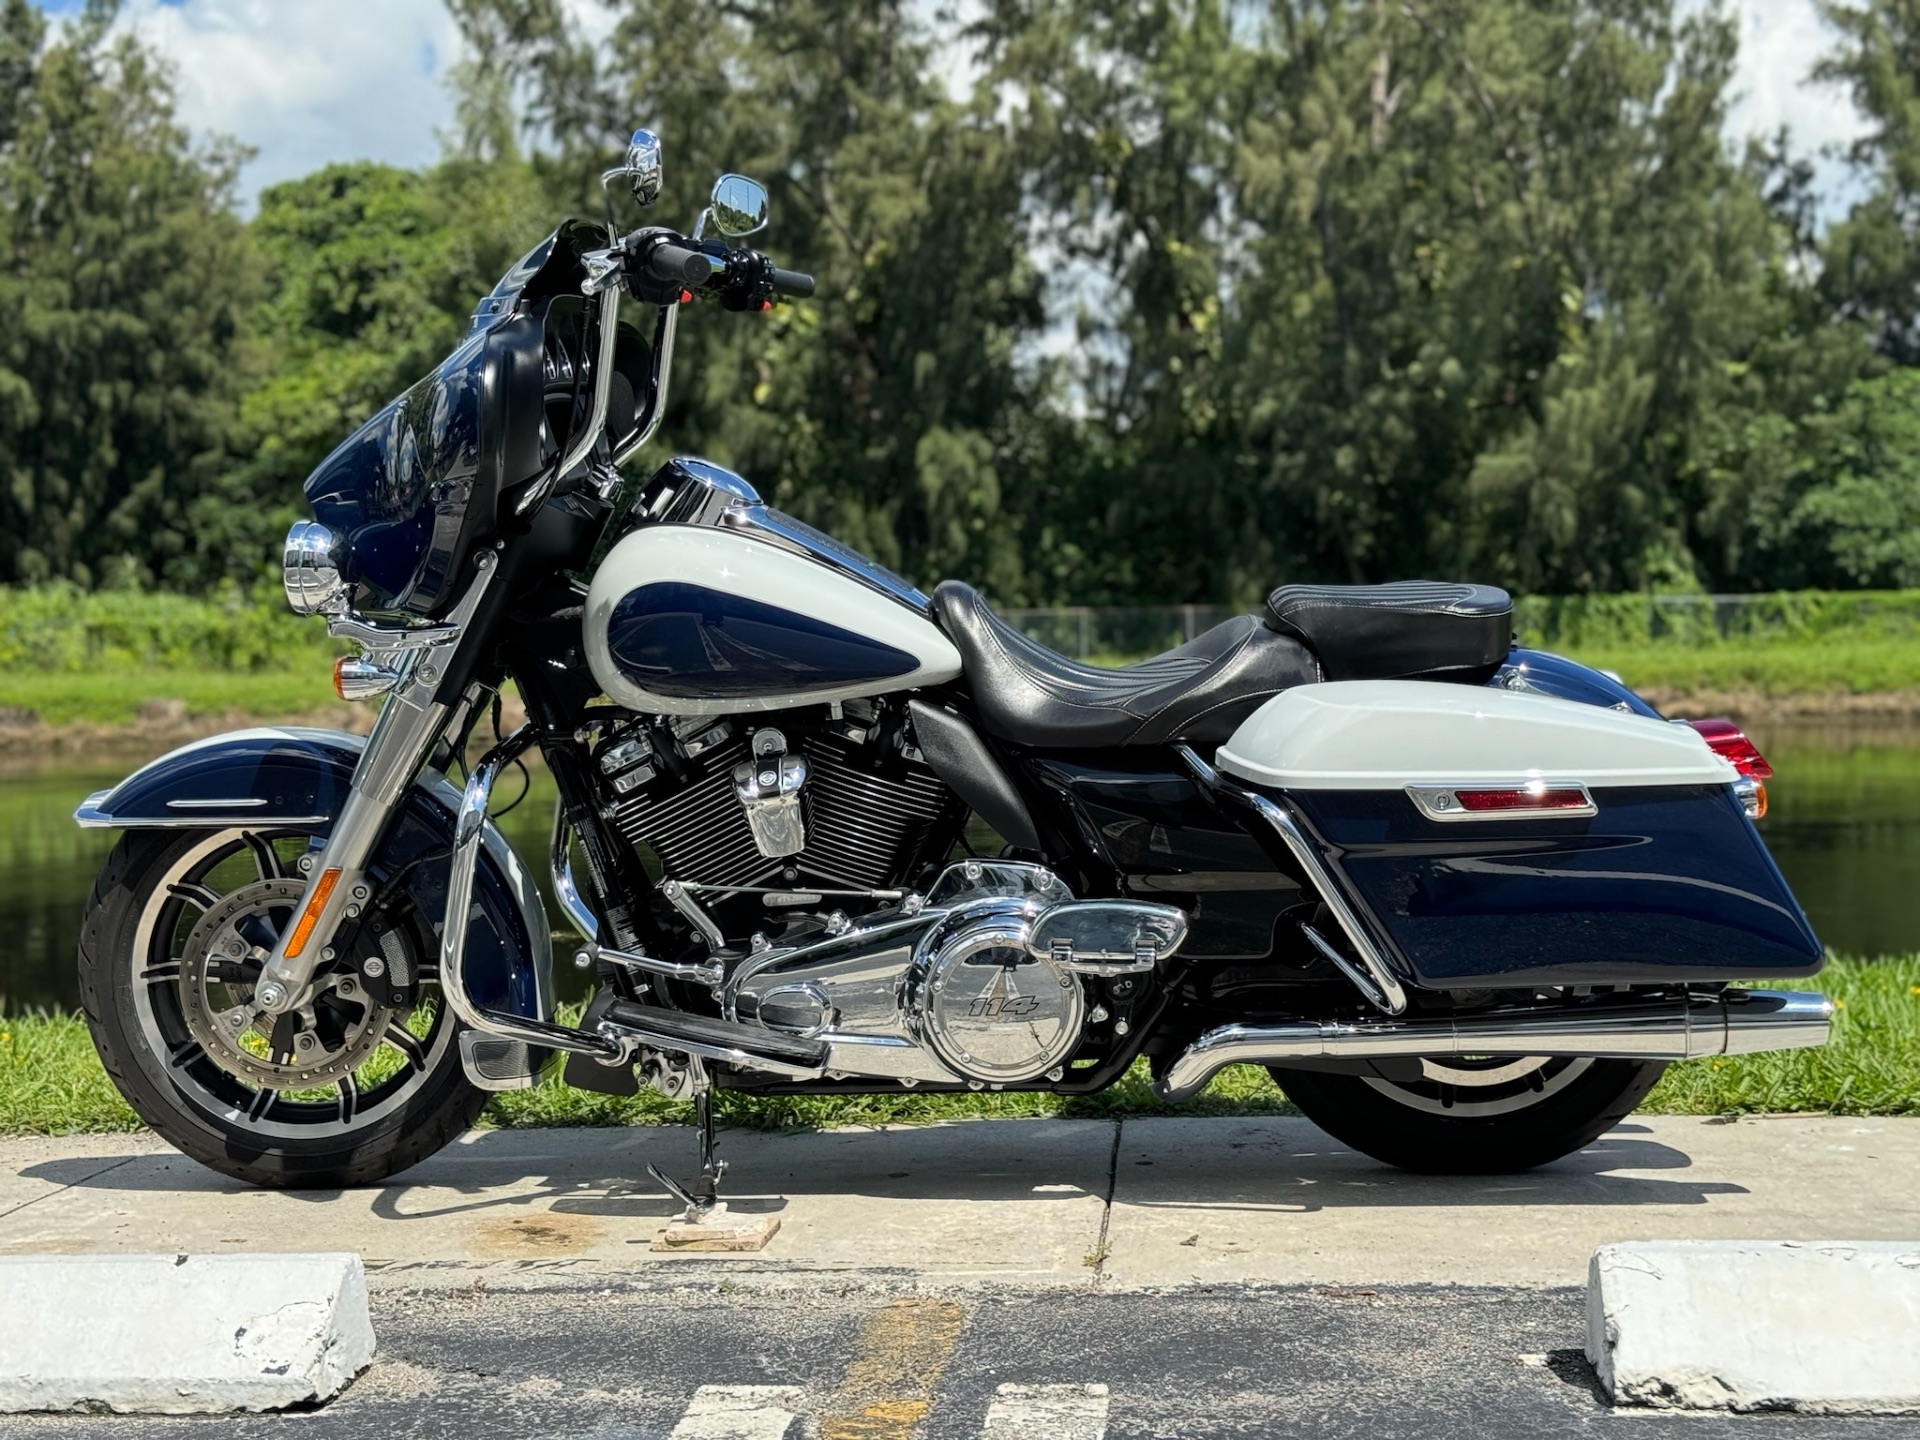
{"x": 705, "y": 1203}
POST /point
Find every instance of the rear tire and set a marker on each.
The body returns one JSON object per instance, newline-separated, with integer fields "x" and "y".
{"x": 407, "y": 1099}
{"x": 1501, "y": 1116}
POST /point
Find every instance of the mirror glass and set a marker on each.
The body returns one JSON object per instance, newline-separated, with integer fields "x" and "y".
{"x": 739, "y": 206}
{"x": 643, "y": 166}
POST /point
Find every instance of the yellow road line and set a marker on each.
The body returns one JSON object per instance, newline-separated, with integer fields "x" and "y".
{"x": 888, "y": 1387}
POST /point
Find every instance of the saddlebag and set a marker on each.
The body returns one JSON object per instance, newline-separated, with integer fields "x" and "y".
{"x": 1503, "y": 839}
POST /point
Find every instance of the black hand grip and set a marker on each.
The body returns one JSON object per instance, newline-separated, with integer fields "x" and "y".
{"x": 679, "y": 265}
{"x": 790, "y": 282}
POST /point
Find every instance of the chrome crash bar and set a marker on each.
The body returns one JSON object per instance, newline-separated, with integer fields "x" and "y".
{"x": 1735, "y": 1022}
{"x": 618, "y": 1043}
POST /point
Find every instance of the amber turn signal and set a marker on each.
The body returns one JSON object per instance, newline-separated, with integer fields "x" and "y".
{"x": 310, "y": 917}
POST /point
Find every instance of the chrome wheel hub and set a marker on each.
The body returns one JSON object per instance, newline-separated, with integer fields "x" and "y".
{"x": 319, "y": 1044}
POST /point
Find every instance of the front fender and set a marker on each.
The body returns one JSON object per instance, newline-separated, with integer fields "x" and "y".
{"x": 299, "y": 777}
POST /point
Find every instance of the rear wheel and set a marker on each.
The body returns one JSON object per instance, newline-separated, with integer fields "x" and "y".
{"x": 347, "y": 1090}
{"x": 1471, "y": 1117}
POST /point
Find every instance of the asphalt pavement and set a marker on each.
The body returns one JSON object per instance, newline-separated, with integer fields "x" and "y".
{"x": 1040, "y": 1280}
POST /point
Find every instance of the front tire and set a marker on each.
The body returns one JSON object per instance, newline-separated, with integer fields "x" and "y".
{"x": 394, "y": 1092}
{"x": 1466, "y": 1117}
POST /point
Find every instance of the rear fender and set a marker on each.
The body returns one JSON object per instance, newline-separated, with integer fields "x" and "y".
{"x": 271, "y": 777}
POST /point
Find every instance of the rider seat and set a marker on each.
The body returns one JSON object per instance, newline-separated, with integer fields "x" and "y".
{"x": 1199, "y": 692}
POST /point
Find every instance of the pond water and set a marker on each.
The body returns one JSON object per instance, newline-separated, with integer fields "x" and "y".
{"x": 1844, "y": 826}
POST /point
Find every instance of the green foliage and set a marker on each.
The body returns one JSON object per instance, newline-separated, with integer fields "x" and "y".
{"x": 1118, "y": 303}
{"x": 62, "y": 628}
{"x": 126, "y": 285}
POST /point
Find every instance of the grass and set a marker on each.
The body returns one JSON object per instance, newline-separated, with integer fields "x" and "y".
{"x": 114, "y": 695}
{"x": 51, "y": 1082}
{"x": 1788, "y": 665}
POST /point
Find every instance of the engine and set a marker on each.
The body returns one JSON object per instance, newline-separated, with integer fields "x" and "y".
{"x": 984, "y": 973}
{"x": 790, "y": 811}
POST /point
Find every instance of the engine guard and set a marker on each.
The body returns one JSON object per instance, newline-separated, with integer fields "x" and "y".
{"x": 293, "y": 776}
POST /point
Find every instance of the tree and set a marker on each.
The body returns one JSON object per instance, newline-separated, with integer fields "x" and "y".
{"x": 885, "y": 407}
{"x": 126, "y": 284}
{"x": 1872, "y": 259}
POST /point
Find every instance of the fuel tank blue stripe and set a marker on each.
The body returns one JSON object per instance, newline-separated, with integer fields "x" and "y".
{"x": 691, "y": 642}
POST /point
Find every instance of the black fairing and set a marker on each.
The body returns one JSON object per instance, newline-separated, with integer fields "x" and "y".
{"x": 416, "y": 487}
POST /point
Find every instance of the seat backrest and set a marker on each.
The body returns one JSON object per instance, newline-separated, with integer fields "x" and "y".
{"x": 1428, "y": 629}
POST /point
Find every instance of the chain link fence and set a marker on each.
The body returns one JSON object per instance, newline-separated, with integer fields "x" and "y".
{"x": 1102, "y": 632}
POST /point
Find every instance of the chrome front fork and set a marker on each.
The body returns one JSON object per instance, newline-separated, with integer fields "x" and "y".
{"x": 411, "y": 723}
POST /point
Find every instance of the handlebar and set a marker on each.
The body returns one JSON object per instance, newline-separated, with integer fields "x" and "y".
{"x": 661, "y": 264}
{"x": 679, "y": 265}
{"x": 790, "y": 282}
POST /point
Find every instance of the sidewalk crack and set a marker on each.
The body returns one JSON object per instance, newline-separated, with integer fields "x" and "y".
{"x": 1103, "y": 1247}
{"x": 62, "y": 1189}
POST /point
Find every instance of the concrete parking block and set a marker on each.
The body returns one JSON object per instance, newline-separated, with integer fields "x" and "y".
{"x": 180, "y": 1334}
{"x": 1823, "y": 1327}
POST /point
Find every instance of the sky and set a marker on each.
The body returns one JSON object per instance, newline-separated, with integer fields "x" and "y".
{"x": 305, "y": 82}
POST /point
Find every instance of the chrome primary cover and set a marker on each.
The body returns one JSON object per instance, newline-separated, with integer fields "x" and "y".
{"x": 982, "y": 981}
{"x": 990, "y": 1007}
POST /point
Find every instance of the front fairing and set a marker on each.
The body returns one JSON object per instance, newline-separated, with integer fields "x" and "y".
{"x": 421, "y": 483}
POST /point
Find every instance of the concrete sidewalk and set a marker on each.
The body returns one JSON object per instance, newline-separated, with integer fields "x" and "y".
{"x": 1140, "y": 1204}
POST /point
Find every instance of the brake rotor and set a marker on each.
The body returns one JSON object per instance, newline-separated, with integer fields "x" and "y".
{"x": 323, "y": 1041}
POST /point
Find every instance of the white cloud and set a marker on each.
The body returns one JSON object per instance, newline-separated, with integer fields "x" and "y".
{"x": 309, "y": 81}
{"x": 1780, "y": 40}
{"x": 305, "y": 82}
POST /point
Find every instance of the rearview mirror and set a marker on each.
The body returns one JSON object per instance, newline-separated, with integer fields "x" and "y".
{"x": 642, "y": 168}
{"x": 739, "y": 206}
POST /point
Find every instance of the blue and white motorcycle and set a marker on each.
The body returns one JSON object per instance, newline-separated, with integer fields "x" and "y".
{"x": 1463, "y": 901}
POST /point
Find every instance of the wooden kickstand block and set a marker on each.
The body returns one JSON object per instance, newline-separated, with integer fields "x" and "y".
{"x": 716, "y": 1230}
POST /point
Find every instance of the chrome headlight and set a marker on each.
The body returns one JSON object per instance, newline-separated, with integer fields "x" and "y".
{"x": 314, "y": 586}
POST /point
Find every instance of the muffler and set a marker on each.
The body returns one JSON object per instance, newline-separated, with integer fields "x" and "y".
{"x": 1735, "y": 1022}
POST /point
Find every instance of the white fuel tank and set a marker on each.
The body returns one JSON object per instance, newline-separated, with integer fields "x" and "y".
{"x": 702, "y": 620}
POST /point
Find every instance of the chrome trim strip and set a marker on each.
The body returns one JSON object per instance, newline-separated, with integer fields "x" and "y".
{"x": 1442, "y": 803}
{"x": 91, "y": 817}
{"x": 1737, "y": 1022}
{"x": 253, "y": 803}
{"x": 1378, "y": 984}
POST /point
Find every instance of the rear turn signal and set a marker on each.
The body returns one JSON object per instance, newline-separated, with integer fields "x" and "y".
{"x": 1730, "y": 743}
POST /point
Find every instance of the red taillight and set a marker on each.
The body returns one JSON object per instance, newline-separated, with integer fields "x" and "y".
{"x": 1730, "y": 743}
{"x": 1525, "y": 798}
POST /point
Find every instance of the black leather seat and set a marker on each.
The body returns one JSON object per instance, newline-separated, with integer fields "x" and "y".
{"x": 1200, "y": 692}
{"x": 1411, "y": 629}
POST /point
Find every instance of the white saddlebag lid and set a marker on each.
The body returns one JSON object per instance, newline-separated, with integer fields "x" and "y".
{"x": 1386, "y": 734}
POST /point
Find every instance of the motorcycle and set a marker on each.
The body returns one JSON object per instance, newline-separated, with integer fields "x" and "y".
{"x": 1463, "y": 900}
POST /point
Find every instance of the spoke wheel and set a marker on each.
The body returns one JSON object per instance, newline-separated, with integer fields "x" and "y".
{"x": 342, "y": 1090}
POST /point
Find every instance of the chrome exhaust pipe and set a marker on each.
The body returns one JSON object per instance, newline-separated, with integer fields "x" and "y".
{"x": 1736, "y": 1022}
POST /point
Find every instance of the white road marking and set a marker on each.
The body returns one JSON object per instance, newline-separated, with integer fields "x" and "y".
{"x": 739, "y": 1412}
{"x": 1047, "y": 1412}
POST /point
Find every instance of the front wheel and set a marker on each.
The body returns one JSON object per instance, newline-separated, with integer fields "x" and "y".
{"x": 347, "y": 1090}
{"x": 1471, "y": 1117}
